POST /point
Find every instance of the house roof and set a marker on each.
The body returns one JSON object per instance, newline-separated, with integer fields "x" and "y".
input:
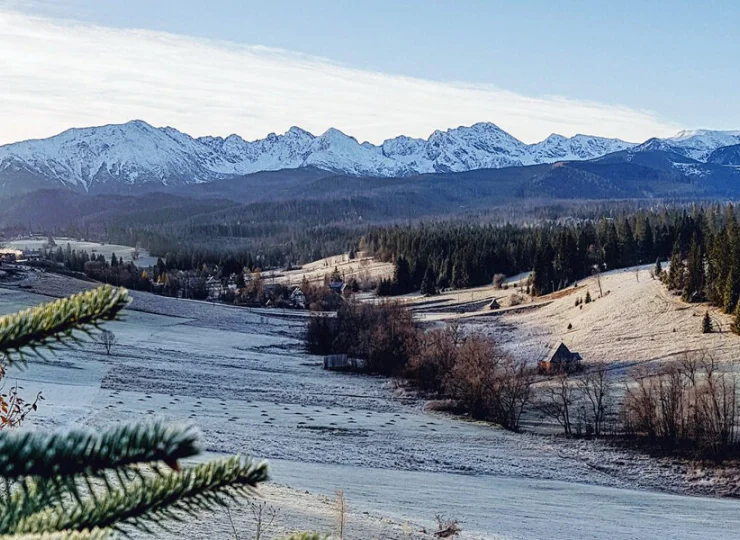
{"x": 563, "y": 351}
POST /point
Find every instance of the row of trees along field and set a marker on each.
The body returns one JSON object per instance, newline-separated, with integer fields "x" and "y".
{"x": 687, "y": 407}
{"x": 705, "y": 261}
{"x": 455, "y": 255}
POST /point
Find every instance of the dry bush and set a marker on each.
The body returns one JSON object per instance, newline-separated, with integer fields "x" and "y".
{"x": 595, "y": 390}
{"x": 489, "y": 383}
{"x": 560, "y": 401}
{"x": 107, "y": 339}
{"x": 691, "y": 405}
{"x": 516, "y": 299}
{"x": 447, "y": 528}
{"x": 434, "y": 359}
{"x": 383, "y": 334}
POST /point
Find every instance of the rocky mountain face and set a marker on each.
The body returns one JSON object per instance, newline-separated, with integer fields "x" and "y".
{"x": 133, "y": 154}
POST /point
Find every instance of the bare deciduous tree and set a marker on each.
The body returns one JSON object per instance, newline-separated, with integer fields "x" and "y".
{"x": 692, "y": 404}
{"x": 447, "y": 528}
{"x": 595, "y": 387}
{"x": 559, "y": 402}
{"x": 107, "y": 339}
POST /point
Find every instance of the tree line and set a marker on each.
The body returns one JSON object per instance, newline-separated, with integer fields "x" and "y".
{"x": 430, "y": 257}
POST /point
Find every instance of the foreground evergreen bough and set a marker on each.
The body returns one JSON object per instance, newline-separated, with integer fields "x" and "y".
{"x": 90, "y": 485}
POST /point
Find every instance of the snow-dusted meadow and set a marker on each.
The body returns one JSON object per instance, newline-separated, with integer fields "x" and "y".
{"x": 92, "y": 248}
{"x": 242, "y": 377}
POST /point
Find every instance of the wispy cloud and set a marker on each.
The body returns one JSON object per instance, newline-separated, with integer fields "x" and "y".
{"x": 56, "y": 74}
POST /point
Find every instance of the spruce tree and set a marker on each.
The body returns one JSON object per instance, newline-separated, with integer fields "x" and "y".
{"x": 658, "y": 268}
{"x": 429, "y": 283}
{"x": 706, "y": 323}
{"x": 676, "y": 269}
{"x": 693, "y": 286}
{"x": 94, "y": 484}
{"x": 736, "y": 320}
{"x": 402, "y": 281}
{"x": 730, "y": 294}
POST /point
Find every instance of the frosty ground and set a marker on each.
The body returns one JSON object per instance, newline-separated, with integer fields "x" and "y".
{"x": 243, "y": 378}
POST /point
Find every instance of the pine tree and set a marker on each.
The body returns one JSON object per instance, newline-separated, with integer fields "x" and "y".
{"x": 647, "y": 243}
{"x": 88, "y": 484}
{"x": 588, "y": 297}
{"x": 694, "y": 279}
{"x": 429, "y": 283}
{"x": 676, "y": 269}
{"x": 706, "y": 324}
{"x": 658, "y": 268}
{"x": 730, "y": 293}
{"x": 736, "y": 320}
{"x": 402, "y": 281}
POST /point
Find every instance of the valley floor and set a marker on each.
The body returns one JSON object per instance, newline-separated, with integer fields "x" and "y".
{"x": 242, "y": 377}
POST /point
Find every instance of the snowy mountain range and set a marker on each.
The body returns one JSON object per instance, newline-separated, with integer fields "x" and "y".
{"x": 136, "y": 153}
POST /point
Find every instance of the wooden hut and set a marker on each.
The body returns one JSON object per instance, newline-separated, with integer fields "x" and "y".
{"x": 560, "y": 359}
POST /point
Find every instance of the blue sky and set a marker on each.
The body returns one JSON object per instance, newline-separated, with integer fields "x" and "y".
{"x": 676, "y": 61}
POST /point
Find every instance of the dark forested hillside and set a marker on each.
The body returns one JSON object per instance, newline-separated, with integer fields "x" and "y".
{"x": 702, "y": 244}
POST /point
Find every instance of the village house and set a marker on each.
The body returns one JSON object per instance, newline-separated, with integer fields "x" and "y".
{"x": 298, "y": 299}
{"x": 214, "y": 288}
{"x": 560, "y": 359}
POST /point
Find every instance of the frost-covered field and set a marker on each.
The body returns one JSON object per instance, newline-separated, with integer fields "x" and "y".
{"x": 125, "y": 252}
{"x": 242, "y": 377}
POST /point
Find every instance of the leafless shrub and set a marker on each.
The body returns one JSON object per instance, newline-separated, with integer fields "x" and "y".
{"x": 264, "y": 516}
{"x": 341, "y": 509}
{"x": 560, "y": 401}
{"x": 489, "y": 383}
{"x": 498, "y": 280}
{"x": 516, "y": 299}
{"x": 434, "y": 359}
{"x": 691, "y": 404}
{"x": 595, "y": 387}
{"x": 107, "y": 339}
{"x": 447, "y": 528}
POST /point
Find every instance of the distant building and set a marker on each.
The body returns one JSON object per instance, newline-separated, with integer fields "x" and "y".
{"x": 214, "y": 287}
{"x": 342, "y": 362}
{"x": 33, "y": 255}
{"x": 298, "y": 299}
{"x": 10, "y": 255}
{"x": 561, "y": 359}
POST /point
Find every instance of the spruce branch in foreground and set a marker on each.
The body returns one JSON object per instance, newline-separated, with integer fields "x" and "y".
{"x": 89, "y": 485}
{"x": 151, "y": 499}
{"x": 39, "y": 326}
{"x": 89, "y": 452}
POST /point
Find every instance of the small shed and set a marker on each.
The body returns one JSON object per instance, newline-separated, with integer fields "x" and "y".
{"x": 561, "y": 359}
{"x": 342, "y": 362}
{"x": 494, "y": 304}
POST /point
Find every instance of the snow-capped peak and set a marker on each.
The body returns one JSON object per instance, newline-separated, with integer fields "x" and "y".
{"x": 136, "y": 152}
{"x": 700, "y": 143}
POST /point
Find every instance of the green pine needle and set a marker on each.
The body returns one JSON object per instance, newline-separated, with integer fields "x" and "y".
{"x": 86, "y": 452}
{"x": 95, "y": 534}
{"x": 38, "y": 326}
{"x": 152, "y": 498}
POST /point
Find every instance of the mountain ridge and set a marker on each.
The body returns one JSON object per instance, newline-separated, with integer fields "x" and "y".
{"x": 137, "y": 153}
{"x": 134, "y": 155}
